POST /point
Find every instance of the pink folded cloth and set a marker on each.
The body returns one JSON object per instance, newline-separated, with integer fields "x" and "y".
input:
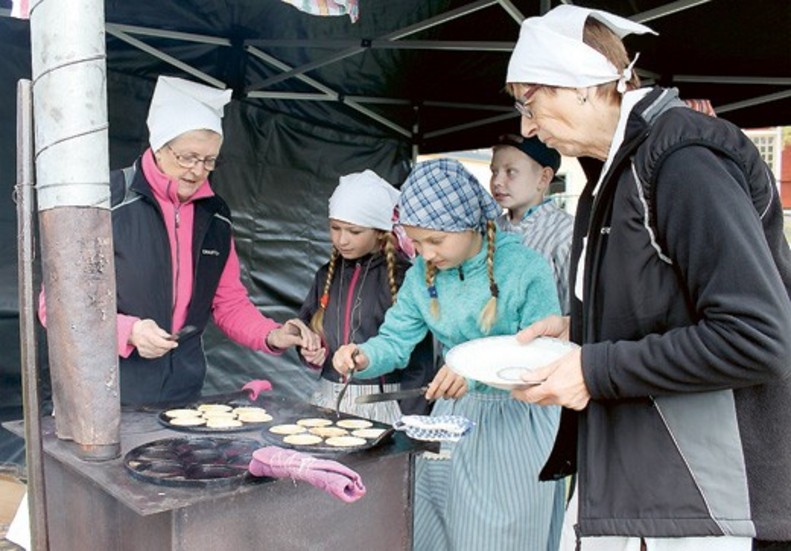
{"x": 330, "y": 476}
{"x": 256, "y": 387}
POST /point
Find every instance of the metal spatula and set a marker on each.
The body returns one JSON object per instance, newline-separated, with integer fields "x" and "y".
{"x": 349, "y": 376}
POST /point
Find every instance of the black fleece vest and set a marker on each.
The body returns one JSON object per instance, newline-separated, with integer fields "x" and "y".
{"x": 144, "y": 286}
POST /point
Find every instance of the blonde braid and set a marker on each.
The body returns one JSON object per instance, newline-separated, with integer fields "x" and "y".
{"x": 317, "y": 321}
{"x": 431, "y": 272}
{"x": 388, "y": 246}
{"x": 489, "y": 312}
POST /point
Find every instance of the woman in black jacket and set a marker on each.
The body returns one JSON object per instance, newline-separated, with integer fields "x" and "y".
{"x": 681, "y": 277}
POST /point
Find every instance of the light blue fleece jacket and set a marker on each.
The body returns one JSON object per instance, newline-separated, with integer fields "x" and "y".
{"x": 527, "y": 294}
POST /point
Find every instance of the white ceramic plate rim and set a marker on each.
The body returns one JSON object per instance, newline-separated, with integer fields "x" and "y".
{"x": 482, "y": 359}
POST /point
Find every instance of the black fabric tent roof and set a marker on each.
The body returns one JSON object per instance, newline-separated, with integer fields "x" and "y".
{"x": 431, "y": 72}
{"x": 317, "y": 97}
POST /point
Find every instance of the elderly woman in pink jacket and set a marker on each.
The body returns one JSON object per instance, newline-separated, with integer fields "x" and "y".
{"x": 176, "y": 265}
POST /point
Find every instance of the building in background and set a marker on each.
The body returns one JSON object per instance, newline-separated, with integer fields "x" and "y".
{"x": 775, "y": 146}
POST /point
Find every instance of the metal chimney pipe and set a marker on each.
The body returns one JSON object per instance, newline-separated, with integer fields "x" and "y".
{"x": 72, "y": 173}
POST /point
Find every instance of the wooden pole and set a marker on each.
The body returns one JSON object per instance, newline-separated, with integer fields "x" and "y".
{"x": 37, "y": 497}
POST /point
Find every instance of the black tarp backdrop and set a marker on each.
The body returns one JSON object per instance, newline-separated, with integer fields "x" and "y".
{"x": 282, "y": 155}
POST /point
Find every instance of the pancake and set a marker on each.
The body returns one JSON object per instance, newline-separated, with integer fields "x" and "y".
{"x": 221, "y": 423}
{"x": 314, "y": 422}
{"x": 328, "y": 431}
{"x": 192, "y": 421}
{"x": 211, "y": 414}
{"x": 248, "y": 409}
{"x": 287, "y": 429}
{"x": 254, "y": 417}
{"x": 345, "y": 441}
{"x": 171, "y": 413}
{"x": 354, "y": 423}
{"x": 214, "y": 407}
{"x": 303, "y": 439}
{"x": 368, "y": 433}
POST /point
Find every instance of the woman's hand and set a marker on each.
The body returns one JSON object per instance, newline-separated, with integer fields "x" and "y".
{"x": 563, "y": 384}
{"x": 446, "y": 384}
{"x": 551, "y": 326}
{"x": 293, "y": 333}
{"x": 150, "y": 340}
{"x": 349, "y": 358}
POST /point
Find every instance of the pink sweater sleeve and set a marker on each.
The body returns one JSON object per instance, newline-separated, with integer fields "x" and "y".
{"x": 235, "y": 315}
{"x": 124, "y": 325}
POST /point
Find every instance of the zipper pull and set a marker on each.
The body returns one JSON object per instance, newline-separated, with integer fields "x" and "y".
{"x": 461, "y": 273}
{"x": 178, "y": 216}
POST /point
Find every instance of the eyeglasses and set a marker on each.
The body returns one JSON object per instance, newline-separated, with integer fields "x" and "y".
{"x": 524, "y": 110}
{"x": 522, "y": 107}
{"x": 189, "y": 161}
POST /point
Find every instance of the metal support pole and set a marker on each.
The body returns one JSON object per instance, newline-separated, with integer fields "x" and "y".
{"x": 73, "y": 195}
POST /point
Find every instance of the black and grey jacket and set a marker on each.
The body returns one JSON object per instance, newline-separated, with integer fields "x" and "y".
{"x": 685, "y": 327}
{"x": 144, "y": 286}
{"x": 359, "y": 297}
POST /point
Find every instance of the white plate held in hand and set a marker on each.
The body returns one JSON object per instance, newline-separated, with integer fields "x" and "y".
{"x": 501, "y": 361}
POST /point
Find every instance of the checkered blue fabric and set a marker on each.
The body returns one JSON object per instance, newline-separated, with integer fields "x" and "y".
{"x": 441, "y": 195}
{"x": 444, "y": 428}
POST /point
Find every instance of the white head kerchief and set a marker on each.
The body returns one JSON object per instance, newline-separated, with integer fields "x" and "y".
{"x": 550, "y": 50}
{"x": 364, "y": 199}
{"x": 179, "y": 106}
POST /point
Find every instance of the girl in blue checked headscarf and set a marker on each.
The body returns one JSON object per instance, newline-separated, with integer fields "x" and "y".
{"x": 470, "y": 281}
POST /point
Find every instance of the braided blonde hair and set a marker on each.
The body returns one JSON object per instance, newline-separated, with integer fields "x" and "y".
{"x": 489, "y": 312}
{"x": 387, "y": 241}
{"x": 387, "y": 247}
{"x": 431, "y": 274}
{"x": 317, "y": 321}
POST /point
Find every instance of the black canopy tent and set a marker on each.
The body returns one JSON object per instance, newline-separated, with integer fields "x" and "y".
{"x": 317, "y": 97}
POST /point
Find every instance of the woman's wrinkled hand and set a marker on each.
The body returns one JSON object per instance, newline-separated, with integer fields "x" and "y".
{"x": 294, "y": 332}
{"x": 150, "y": 340}
{"x": 551, "y": 326}
{"x": 563, "y": 384}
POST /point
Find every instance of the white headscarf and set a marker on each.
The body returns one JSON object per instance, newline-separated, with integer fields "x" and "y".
{"x": 179, "y": 106}
{"x": 550, "y": 50}
{"x": 364, "y": 199}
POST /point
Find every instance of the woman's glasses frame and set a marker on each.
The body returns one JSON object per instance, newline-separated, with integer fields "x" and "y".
{"x": 189, "y": 161}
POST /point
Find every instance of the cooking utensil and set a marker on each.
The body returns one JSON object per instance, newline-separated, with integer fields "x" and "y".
{"x": 349, "y": 376}
{"x": 192, "y": 462}
{"x": 387, "y": 396}
{"x": 183, "y": 332}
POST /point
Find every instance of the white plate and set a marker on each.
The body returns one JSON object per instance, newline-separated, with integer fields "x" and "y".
{"x": 501, "y": 361}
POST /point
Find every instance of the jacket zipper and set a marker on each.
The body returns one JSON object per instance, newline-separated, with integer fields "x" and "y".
{"x": 177, "y": 213}
{"x": 347, "y": 318}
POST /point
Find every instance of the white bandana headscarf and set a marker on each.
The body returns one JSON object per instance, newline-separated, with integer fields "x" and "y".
{"x": 364, "y": 199}
{"x": 179, "y": 106}
{"x": 550, "y": 50}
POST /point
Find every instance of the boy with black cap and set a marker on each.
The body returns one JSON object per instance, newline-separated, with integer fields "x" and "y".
{"x": 522, "y": 170}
